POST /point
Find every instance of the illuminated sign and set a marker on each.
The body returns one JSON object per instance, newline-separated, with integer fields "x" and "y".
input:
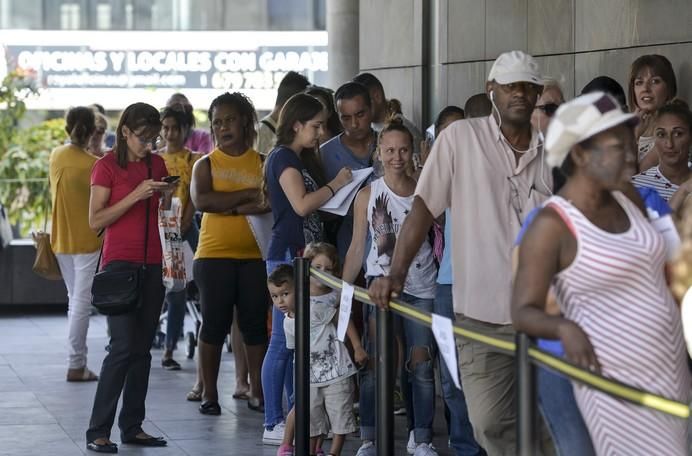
{"x": 119, "y": 68}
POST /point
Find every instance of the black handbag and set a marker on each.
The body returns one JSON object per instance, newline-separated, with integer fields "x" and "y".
{"x": 118, "y": 292}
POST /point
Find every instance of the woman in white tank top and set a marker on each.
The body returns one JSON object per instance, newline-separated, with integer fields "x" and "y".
{"x": 380, "y": 210}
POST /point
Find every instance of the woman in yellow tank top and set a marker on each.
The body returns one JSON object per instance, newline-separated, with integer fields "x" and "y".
{"x": 228, "y": 267}
{"x": 176, "y": 124}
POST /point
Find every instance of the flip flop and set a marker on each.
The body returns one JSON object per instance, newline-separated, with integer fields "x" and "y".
{"x": 243, "y": 396}
{"x": 194, "y": 396}
{"x": 85, "y": 376}
{"x": 147, "y": 441}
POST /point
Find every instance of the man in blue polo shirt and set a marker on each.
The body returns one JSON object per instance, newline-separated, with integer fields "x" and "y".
{"x": 354, "y": 147}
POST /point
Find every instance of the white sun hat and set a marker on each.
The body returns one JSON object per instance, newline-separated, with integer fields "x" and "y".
{"x": 515, "y": 66}
{"x": 580, "y": 119}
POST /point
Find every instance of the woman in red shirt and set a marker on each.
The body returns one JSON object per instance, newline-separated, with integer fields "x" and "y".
{"x": 125, "y": 189}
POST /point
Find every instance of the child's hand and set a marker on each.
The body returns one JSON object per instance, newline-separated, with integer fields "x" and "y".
{"x": 360, "y": 355}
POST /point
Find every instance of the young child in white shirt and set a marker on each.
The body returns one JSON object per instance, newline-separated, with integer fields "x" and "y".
{"x": 331, "y": 367}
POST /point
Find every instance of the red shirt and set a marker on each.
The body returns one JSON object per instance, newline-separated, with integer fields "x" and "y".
{"x": 124, "y": 239}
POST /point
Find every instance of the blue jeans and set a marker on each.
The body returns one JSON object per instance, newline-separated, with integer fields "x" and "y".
{"x": 277, "y": 368}
{"x": 175, "y": 300}
{"x": 421, "y": 376}
{"x": 562, "y": 417}
{"x": 460, "y": 429}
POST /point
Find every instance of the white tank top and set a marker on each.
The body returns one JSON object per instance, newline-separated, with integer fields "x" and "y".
{"x": 386, "y": 213}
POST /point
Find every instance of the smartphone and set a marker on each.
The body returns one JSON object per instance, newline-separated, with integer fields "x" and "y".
{"x": 171, "y": 179}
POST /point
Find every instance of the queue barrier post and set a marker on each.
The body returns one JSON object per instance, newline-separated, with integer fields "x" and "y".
{"x": 384, "y": 377}
{"x": 526, "y": 398}
{"x": 301, "y": 279}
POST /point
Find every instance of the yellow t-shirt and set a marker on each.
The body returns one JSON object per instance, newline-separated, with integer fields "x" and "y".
{"x": 180, "y": 164}
{"x": 70, "y": 175}
{"x": 230, "y": 236}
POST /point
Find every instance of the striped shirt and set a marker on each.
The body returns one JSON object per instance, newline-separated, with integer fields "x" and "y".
{"x": 654, "y": 178}
{"x": 615, "y": 290}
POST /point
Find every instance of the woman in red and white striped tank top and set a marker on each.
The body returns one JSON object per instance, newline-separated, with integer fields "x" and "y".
{"x": 606, "y": 263}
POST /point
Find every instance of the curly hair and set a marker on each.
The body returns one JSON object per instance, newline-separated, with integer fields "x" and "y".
{"x": 245, "y": 109}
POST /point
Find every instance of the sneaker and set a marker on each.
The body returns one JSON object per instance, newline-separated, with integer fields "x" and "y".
{"x": 170, "y": 364}
{"x": 425, "y": 449}
{"x": 367, "y": 449}
{"x": 274, "y": 436}
{"x": 285, "y": 450}
{"x": 411, "y": 444}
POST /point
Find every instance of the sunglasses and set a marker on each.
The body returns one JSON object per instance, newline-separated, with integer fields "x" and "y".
{"x": 548, "y": 108}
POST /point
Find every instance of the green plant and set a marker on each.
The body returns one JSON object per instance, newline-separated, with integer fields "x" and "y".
{"x": 15, "y": 88}
{"x": 24, "y": 174}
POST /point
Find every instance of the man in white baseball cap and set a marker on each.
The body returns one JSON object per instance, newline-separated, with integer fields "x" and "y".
{"x": 490, "y": 172}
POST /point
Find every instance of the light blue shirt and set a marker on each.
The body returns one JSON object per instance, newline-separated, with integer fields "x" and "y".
{"x": 444, "y": 275}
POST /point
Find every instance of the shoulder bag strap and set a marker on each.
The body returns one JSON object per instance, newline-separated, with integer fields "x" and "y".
{"x": 146, "y": 223}
{"x": 269, "y": 125}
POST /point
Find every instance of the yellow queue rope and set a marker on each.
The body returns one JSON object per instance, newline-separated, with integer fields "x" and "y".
{"x": 606, "y": 385}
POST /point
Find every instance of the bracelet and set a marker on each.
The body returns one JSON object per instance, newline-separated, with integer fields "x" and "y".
{"x": 330, "y": 189}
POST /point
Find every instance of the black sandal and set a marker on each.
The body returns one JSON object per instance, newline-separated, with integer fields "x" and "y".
{"x": 110, "y": 447}
{"x": 210, "y": 408}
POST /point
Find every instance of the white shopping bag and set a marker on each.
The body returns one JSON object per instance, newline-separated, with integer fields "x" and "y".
{"x": 173, "y": 261}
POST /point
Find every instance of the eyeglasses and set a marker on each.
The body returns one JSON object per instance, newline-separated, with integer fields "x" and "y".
{"x": 149, "y": 141}
{"x": 548, "y": 108}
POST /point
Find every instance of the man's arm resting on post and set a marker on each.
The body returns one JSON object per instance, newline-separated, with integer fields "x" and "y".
{"x": 413, "y": 233}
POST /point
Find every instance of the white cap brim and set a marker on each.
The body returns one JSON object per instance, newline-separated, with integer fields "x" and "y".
{"x": 509, "y": 78}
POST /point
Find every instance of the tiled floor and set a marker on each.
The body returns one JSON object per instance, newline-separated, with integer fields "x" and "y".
{"x": 42, "y": 414}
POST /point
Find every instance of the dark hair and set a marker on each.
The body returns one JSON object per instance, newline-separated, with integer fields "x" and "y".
{"x": 98, "y": 107}
{"x": 299, "y": 108}
{"x": 445, "y": 114}
{"x": 351, "y": 90}
{"x": 80, "y": 123}
{"x": 135, "y": 117}
{"x": 567, "y": 167}
{"x": 608, "y": 85}
{"x": 478, "y": 105}
{"x": 245, "y": 109}
{"x": 327, "y": 97}
{"x": 182, "y": 114}
{"x": 679, "y": 109}
{"x": 369, "y": 81}
{"x": 324, "y": 248}
{"x": 281, "y": 275}
{"x": 660, "y": 66}
{"x": 290, "y": 85}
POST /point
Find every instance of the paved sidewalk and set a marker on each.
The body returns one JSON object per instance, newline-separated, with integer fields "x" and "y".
{"x": 42, "y": 414}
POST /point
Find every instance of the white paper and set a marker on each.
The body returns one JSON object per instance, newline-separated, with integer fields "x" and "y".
{"x": 444, "y": 335}
{"x": 686, "y": 311}
{"x": 344, "y": 310}
{"x": 189, "y": 257}
{"x": 665, "y": 226}
{"x": 261, "y": 227}
{"x": 341, "y": 201}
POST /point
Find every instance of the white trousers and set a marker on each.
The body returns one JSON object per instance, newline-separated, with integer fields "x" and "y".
{"x": 78, "y": 273}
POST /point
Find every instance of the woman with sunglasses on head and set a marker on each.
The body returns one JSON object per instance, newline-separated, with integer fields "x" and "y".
{"x": 652, "y": 84}
{"x": 125, "y": 188}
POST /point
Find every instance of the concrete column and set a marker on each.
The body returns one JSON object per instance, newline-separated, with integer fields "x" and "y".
{"x": 342, "y": 29}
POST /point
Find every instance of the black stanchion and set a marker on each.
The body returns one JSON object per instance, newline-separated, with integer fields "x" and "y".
{"x": 385, "y": 383}
{"x": 526, "y": 398}
{"x": 301, "y": 276}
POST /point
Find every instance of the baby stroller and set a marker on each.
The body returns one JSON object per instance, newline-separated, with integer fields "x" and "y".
{"x": 193, "y": 309}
